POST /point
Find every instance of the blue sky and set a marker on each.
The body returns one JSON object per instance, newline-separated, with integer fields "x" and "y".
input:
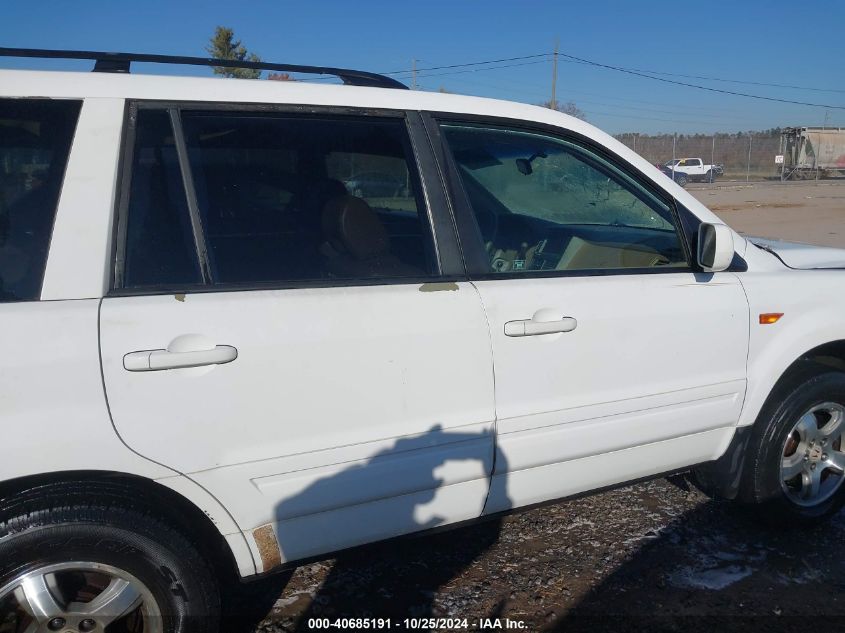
{"x": 799, "y": 44}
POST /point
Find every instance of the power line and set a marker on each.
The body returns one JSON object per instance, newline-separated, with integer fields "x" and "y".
{"x": 408, "y": 73}
{"x": 644, "y": 118}
{"x": 489, "y": 61}
{"x": 682, "y": 111}
{"x": 689, "y": 85}
{"x": 648, "y": 74}
{"x": 652, "y": 72}
{"x": 688, "y": 114}
{"x": 709, "y": 78}
{"x": 656, "y": 103}
{"x": 491, "y": 64}
{"x": 474, "y": 70}
{"x": 737, "y": 81}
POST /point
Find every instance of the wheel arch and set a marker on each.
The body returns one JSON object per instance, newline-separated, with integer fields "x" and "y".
{"x": 767, "y": 376}
{"x": 229, "y": 553}
{"x": 723, "y": 476}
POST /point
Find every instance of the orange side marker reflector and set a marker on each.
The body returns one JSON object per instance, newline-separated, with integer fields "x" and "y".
{"x": 767, "y": 318}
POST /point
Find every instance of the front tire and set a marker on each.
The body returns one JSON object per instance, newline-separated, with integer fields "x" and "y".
{"x": 65, "y": 562}
{"x": 795, "y": 467}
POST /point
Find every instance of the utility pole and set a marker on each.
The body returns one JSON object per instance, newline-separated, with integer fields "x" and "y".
{"x": 553, "y": 102}
{"x": 712, "y": 157}
{"x": 748, "y": 164}
{"x": 414, "y": 74}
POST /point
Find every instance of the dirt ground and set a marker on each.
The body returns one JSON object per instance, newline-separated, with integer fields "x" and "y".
{"x": 655, "y": 556}
{"x": 812, "y": 212}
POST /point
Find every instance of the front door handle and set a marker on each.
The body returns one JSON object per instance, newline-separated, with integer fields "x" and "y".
{"x": 531, "y": 327}
{"x": 158, "y": 359}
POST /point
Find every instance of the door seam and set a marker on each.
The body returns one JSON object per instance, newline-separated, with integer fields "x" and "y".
{"x": 495, "y": 407}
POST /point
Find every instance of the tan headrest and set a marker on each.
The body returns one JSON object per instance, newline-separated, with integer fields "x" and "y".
{"x": 352, "y": 226}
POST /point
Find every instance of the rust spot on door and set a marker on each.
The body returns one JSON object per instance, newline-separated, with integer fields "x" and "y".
{"x": 268, "y": 547}
{"x": 439, "y": 286}
{"x": 180, "y": 297}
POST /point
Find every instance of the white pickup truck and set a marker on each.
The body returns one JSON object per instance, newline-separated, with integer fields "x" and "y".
{"x": 684, "y": 170}
{"x": 218, "y": 361}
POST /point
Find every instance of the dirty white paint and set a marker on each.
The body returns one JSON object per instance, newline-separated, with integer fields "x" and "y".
{"x": 354, "y": 414}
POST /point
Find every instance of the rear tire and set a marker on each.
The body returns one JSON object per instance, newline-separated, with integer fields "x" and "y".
{"x": 795, "y": 465}
{"x": 82, "y": 549}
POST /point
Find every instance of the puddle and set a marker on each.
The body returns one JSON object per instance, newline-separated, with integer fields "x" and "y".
{"x": 713, "y": 578}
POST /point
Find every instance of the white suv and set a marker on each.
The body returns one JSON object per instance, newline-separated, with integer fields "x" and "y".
{"x": 218, "y": 361}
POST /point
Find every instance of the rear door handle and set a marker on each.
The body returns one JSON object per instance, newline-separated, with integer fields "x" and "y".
{"x": 530, "y": 327}
{"x": 158, "y": 359}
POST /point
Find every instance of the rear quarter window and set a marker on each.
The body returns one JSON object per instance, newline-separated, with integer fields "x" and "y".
{"x": 35, "y": 139}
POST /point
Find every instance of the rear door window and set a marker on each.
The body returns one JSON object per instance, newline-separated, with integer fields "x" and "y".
{"x": 288, "y": 198}
{"x": 258, "y": 198}
{"x": 35, "y": 140}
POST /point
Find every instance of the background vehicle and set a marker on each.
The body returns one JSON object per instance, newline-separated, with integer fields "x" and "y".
{"x": 377, "y": 185}
{"x": 220, "y": 362}
{"x": 684, "y": 170}
{"x": 812, "y": 152}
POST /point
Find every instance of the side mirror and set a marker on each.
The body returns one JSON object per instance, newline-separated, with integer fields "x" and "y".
{"x": 715, "y": 247}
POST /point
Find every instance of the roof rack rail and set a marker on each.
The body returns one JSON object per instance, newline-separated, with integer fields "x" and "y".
{"x": 120, "y": 62}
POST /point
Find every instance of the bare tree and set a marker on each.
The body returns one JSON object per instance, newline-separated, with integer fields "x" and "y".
{"x": 567, "y": 108}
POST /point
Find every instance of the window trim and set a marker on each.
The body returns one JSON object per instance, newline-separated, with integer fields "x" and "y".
{"x": 175, "y": 116}
{"x": 441, "y": 225}
{"x": 257, "y": 286}
{"x": 121, "y": 202}
{"x": 460, "y": 211}
{"x": 444, "y": 243}
{"x": 473, "y": 250}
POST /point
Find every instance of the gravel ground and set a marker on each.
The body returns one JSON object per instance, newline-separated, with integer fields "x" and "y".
{"x": 649, "y": 557}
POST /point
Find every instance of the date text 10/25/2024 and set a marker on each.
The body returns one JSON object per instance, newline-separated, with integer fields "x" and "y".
{"x": 411, "y": 624}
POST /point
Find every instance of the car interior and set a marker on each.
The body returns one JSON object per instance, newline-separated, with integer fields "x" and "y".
{"x": 577, "y": 217}
{"x": 274, "y": 206}
{"x": 521, "y": 242}
{"x": 274, "y": 201}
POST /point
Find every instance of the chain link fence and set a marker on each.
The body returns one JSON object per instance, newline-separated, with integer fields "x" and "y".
{"x": 744, "y": 156}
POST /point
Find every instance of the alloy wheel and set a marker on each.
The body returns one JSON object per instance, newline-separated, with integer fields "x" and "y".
{"x": 78, "y": 597}
{"x": 813, "y": 464}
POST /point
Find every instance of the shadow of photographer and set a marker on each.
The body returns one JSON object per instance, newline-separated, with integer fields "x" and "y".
{"x": 444, "y": 476}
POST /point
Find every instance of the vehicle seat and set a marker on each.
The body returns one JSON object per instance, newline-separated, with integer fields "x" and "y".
{"x": 307, "y": 204}
{"x": 357, "y": 244}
